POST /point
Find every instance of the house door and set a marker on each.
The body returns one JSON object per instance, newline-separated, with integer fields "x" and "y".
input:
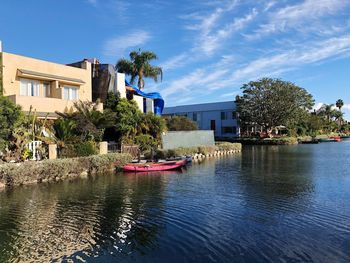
{"x": 212, "y": 125}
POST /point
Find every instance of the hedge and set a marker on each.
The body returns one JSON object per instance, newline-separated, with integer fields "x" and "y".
{"x": 55, "y": 170}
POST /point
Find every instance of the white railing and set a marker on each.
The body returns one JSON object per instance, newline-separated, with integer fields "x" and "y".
{"x": 32, "y": 147}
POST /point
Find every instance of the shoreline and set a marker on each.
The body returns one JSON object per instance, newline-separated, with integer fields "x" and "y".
{"x": 33, "y": 172}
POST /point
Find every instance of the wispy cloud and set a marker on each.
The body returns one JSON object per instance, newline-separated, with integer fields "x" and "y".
{"x": 208, "y": 43}
{"x": 298, "y": 15}
{"x": 175, "y": 62}
{"x": 219, "y": 76}
{"x": 116, "y": 47}
{"x": 92, "y": 2}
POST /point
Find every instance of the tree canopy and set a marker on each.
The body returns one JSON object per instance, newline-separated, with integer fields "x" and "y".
{"x": 10, "y": 115}
{"x": 139, "y": 67}
{"x": 339, "y": 103}
{"x": 180, "y": 123}
{"x": 272, "y": 102}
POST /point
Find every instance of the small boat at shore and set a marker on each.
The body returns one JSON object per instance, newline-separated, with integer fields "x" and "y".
{"x": 309, "y": 142}
{"x": 336, "y": 138}
{"x": 327, "y": 140}
{"x": 151, "y": 167}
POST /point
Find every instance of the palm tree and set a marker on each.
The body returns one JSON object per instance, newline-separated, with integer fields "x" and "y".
{"x": 339, "y": 104}
{"x": 327, "y": 111}
{"x": 139, "y": 67}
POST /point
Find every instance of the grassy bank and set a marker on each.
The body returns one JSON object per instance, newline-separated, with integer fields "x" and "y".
{"x": 12, "y": 174}
{"x": 269, "y": 141}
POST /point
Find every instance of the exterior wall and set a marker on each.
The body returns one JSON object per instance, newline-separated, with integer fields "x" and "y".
{"x": 121, "y": 84}
{"x": 207, "y": 112}
{"x": 139, "y": 101}
{"x": 11, "y": 82}
{"x": 176, "y": 139}
{"x": 49, "y": 105}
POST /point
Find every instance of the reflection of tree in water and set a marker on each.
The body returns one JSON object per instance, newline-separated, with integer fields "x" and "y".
{"x": 277, "y": 171}
{"x": 111, "y": 214}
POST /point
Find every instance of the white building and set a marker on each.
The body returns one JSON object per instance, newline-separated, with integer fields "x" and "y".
{"x": 220, "y": 117}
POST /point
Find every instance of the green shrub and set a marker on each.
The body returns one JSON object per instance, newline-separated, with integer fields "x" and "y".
{"x": 228, "y": 146}
{"x": 79, "y": 149}
{"x": 161, "y": 154}
{"x": 207, "y": 149}
{"x": 185, "y": 151}
{"x": 52, "y": 170}
{"x": 145, "y": 142}
{"x": 86, "y": 148}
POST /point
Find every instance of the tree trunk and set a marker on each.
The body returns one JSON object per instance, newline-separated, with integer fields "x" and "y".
{"x": 141, "y": 83}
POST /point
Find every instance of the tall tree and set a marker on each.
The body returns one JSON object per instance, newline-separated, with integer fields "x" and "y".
{"x": 328, "y": 112}
{"x": 139, "y": 67}
{"x": 339, "y": 103}
{"x": 273, "y": 102}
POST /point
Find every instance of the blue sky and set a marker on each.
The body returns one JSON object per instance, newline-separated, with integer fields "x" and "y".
{"x": 207, "y": 48}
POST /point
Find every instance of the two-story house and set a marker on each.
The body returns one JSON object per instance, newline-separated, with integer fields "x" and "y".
{"x": 43, "y": 86}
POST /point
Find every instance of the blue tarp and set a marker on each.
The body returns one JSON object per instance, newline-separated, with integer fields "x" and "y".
{"x": 158, "y": 101}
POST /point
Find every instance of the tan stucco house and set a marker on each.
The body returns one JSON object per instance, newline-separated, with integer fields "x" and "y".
{"x": 45, "y": 86}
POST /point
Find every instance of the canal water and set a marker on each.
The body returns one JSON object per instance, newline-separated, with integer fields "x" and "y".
{"x": 267, "y": 204}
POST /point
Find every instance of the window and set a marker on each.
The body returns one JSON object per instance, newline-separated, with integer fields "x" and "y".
{"x": 234, "y": 115}
{"x": 226, "y": 115}
{"x": 29, "y": 88}
{"x": 194, "y": 116}
{"x": 70, "y": 93}
{"x": 223, "y": 115}
{"x": 212, "y": 125}
{"x": 47, "y": 90}
{"x": 229, "y": 129}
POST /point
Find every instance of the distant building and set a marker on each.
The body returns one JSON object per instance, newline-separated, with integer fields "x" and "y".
{"x": 221, "y": 117}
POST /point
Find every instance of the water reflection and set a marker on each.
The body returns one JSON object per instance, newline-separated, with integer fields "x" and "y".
{"x": 97, "y": 216}
{"x": 284, "y": 204}
{"x": 276, "y": 170}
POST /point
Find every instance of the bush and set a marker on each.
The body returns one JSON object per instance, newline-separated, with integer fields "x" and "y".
{"x": 86, "y": 148}
{"x": 145, "y": 142}
{"x": 53, "y": 170}
{"x": 207, "y": 149}
{"x": 180, "y": 123}
{"x": 10, "y": 116}
{"x": 79, "y": 149}
{"x": 228, "y": 146}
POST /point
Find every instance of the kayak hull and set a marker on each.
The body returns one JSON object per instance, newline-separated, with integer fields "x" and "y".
{"x": 152, "y": 167}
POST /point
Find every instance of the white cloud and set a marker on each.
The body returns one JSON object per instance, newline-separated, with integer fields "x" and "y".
{"x": 223, "y": 76}
{"x": 288, "y": 60}
{"x": 175, "y": 62}
{"x": 298, "y": 16}
{"x": 346, "y": 107}
{"x": 208, "y": 43}
{"x": 317, "y": 106}
{"x": 116, "y": 47}
{"x": 92, "y": 2}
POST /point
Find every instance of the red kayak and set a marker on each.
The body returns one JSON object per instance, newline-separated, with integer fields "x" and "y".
{"x": 151, "y": 167}
{"x": 336, "y": 138}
